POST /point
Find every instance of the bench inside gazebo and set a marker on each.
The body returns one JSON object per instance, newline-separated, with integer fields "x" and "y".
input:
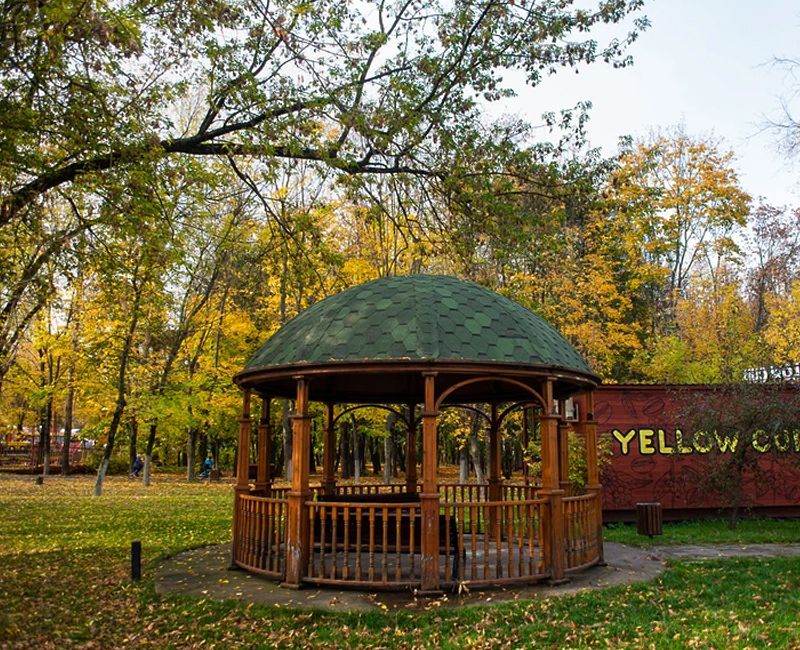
{"x": 416, "y": 345}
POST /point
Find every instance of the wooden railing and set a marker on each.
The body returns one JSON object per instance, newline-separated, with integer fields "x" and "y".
{"x": 378, "y": 544}
{"x": 450, "y": 492}
{"x": 463, "y": 492}
{"x": 371, "y": 488}
{"x": 516, "y": 492}
{"x": 497, "y": 542}
{"x": 580, "y": 531}
{"x": 370, "y": 544}
{"x": 261, "y": 535}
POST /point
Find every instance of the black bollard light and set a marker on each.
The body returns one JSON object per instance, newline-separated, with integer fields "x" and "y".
{"x": 136, "y": 560}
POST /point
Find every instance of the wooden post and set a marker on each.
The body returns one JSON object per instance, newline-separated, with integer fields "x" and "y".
{"x": 495, "y": 472}
{"x": 328, "y": 452}
{"x": 553, "y": 524}
{"x": 592, "y": 471}
{"x": 263, "y": 474}
{"x": 429, "y": 497}
{"x": 297, "y": 537}
{"x": 242, "y": 485}
{"x": 525, "y": 440}
{"x": 563, "y": 450}
{"x": 411, "y": 450}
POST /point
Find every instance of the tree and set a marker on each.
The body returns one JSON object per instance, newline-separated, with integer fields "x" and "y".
{"x": 374, "y": 87}
{"x": 205, "y": 216}
{"x": 787, "y": 126}
{"x": 752, "y": 424}
{"x": 774, "y": 247}
{"x": 127, "y": 271}
{"x": 782, "y": 332}
{"x": 681, "y": 196}
{"x": 714, "y": 340}
{"x": 94, "y": 93}
{"x": 33, "y": 254}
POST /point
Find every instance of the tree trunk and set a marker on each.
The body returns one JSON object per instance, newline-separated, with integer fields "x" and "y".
{"x": 345, "y": 451}
{"x": 68, "y": 404}
{"x": 190, "y": 454}
{"x": 148, "y": 453}
{"x": 376, "y": 457}
{"x": 119, "y": 406}
{"x": 474, "y": 449}
{"x": 132, "y": 441}
{"x": 288, "y": 439}
{"x": 112, "y": 430}
{"x": 203, "y": 447}
{"x": 388, "y": 447}
{"x": 356, "y": 450}
{"x": 737, "y": 495}
{"x": 463, "y": 464}
{"x": 508, "y": 458}
{"x": 45, "y": 436}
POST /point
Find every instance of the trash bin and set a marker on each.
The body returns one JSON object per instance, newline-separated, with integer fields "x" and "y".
{"x": 648, "y": 519}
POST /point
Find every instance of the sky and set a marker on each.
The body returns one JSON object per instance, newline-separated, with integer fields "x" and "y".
{"x": 706, "y": 64}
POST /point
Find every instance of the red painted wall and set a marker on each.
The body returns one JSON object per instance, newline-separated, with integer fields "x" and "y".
{"x": 655, "y": 460}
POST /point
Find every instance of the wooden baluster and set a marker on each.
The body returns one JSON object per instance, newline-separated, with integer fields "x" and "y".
{"x": 335, "y": 512}
{"x": 371, "y": 569}
{"x": 569, "y": 520}
{"x": 520, "y": 523}
{"x": 346, "y": 547}
{"x": 448, "y": 575}
{"x": 530, "y": 524}
{"x": 265, "y": 522}
{"x": 260, "y": 534}
{"x": 473, "y": 524}
{"x": 280, "y": 536}
{"x": 575, "y": 532}
{"x": 248, "y": 532}
{"x": 358, "y": 544}
{"x": 268, "y": 559}
{"x": 583, "y": 533}
{"x": 398, "y": 515}
{"x": 385, "y": 546}
{"x": 243, "y": 522}
{"x": 272, "y": 521}
{"x": 325, "y": 514}
{"x": 462, "y": 556}
{"x": 253, "y": 533}
{"x": 486, "y": 540}
{"x": 316, "y": 515}
{"x": 412, "y": 527}
{"x": 508, "y": 513}
{"x": 511, "y": 525}
{"x": 266, "y": 513}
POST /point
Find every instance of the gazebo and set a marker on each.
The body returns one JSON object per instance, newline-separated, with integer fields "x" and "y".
{"x": 418, "y": 344}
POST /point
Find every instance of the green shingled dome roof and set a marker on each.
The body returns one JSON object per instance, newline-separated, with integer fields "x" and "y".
{"x": 417, "y": 317}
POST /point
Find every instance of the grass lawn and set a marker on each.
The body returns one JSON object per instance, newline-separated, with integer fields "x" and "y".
{"x": 748, "y": 531}
{"x": 65, "y": 559}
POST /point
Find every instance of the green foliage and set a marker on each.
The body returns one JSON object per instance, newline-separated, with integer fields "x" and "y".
{"x": 118, "y": 464}
{"x": 577, "y": 458}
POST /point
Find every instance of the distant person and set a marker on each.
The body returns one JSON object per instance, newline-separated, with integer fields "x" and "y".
{"x": 208, "y": 465}
{"x": 138, "y": 465}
